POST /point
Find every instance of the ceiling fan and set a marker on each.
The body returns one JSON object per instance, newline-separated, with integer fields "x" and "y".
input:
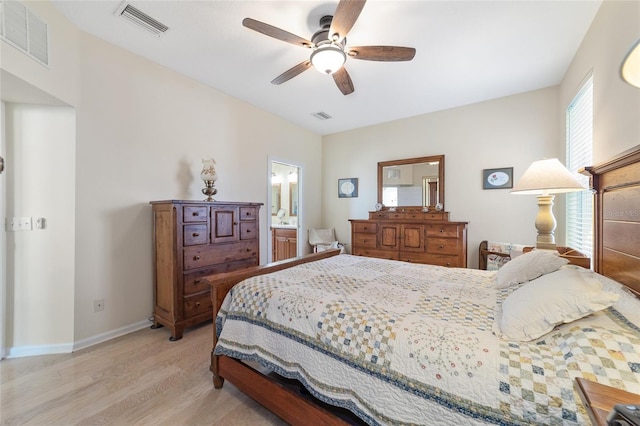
{"x": 329, "y": 46}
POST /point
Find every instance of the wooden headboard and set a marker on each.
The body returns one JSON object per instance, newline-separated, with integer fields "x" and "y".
{"x": 617, "y": 218}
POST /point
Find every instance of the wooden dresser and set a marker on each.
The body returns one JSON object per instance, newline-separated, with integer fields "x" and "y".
{"x": 411, "y": 235}
{"x": 192, "y": 239}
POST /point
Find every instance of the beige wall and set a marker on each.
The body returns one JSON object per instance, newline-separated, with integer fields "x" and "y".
{"x": 507, "y": 132}
{"x": 141, "y": 131}
{"x": 512, "y": 131}
{"x": 616, "y": 111}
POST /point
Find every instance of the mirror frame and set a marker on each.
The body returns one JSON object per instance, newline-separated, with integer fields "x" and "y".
{"x": 429, "y": 159}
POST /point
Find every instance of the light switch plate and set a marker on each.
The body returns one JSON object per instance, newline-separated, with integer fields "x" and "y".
{"x": 20, "y": 224}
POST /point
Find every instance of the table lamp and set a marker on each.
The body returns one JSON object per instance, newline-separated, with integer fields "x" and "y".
{"x": 545, "y": 178}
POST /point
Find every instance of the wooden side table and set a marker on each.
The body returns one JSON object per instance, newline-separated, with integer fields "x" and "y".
{"x": 599, "y": 399}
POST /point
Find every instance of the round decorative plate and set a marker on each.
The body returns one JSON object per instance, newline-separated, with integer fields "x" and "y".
{"x": 347, "y": 188}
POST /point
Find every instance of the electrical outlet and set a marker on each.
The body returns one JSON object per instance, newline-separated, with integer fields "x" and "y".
{"x": 98, "y": 305}
{"x": 38, "y": 223}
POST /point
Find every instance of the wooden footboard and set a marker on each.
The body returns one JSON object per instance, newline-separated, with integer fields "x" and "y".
{"x": 281, "y": 400}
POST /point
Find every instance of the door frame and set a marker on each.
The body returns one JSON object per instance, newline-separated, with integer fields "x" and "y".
{"x": 299, "y": 221}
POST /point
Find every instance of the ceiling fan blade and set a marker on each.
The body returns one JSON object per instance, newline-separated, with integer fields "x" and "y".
{"x": 275, "y": 32}
{"x": 290, "y": 73}
{"x": 382, "y": 53}
{"x": 343, "y": 81}
{"x": 344, "y": 17}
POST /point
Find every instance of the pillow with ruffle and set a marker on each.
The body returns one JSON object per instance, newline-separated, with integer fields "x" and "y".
{"x": 529, "y": 266}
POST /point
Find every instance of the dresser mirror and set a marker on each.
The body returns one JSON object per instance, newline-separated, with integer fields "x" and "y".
{"x": 412, "y": 182}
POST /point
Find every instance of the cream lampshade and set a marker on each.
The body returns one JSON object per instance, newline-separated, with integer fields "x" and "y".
{"x": 630, "y": 69}
{"x": 545, "y": 178}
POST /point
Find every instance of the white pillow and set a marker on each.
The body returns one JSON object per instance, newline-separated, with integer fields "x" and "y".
{"x": 529, "y": 266}
{"x": 559, "y": 297}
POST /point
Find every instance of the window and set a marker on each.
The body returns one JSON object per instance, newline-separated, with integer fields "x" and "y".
{"x": 579, "y": 205}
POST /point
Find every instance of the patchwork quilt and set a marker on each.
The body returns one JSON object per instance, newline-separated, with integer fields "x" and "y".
{"x": 401, "y": 343}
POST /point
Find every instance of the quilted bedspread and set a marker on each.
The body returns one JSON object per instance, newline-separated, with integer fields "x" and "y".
{"x": 400, "y": 343}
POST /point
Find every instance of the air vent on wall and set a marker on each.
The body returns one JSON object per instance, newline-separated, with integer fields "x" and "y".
{"x": 141, "y": 19}
{"x": 24, "y": 30}
{"x": 321, "y": 115}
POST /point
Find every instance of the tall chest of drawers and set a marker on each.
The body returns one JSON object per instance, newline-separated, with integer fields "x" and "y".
{"x": 411, "y": 236}
{"x": 193, "y": 239}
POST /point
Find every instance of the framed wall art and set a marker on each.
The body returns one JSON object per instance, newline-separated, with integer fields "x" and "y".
{"x": 348, "y": 188}
{"x": 497, "y": 178}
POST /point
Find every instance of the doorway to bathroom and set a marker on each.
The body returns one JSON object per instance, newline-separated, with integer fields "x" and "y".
{"x": 284, "y": 198}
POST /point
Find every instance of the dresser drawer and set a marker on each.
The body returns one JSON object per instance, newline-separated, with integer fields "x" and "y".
{"x": 248, "y": 230}
{"x": 387, "y": 215}
{"x": 414, "y": 215}
{"x": 442, "y": 230}
{"x": 197, "y": 304}
{"x": 194, "y": 234}
{"x": 444, "y": 260}
{"x": 370, "y": 228}
{"x": 200, "y": 256}
{"x": 437, "y": 216}
{"x": 248, "y": 213}
{"x": 442, "y": 246}
{"x": 365, "y": 240}
{"x": 193, "y": 283}
{"x": 380, "y": 254}
{"x": 194, "y": 213}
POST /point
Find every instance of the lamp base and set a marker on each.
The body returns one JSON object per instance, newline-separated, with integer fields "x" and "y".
{"x": 545, "y": 223}
{"x": 209, "y": 190}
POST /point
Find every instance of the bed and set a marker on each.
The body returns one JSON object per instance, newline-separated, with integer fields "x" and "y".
{"x": 440, "y": 345}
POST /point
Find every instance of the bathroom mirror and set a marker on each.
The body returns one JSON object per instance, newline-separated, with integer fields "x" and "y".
{"x": 293, "y": 199}
{"x": 275, "y": 198}
{"x": 412, "y": 182}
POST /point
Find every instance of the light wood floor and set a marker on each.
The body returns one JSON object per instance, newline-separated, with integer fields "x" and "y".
{"x": 138, "y": 379}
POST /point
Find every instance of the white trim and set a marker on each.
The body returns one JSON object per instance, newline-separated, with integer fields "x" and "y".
{"x": 35, "y": 350}
{"x": 103, "y": 337}
{"x": 66, "y": 348}
{"x": 301, "y": 242}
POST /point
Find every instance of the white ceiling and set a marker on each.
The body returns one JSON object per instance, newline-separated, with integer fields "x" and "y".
{"x": 467, "y": 52}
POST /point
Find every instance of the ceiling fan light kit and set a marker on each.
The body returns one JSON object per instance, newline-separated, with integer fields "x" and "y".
{"x": 328, "y": 58}
{"x": 330, "y": 52}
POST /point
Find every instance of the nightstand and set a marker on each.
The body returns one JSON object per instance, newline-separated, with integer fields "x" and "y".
{"x": 599, "y": 399}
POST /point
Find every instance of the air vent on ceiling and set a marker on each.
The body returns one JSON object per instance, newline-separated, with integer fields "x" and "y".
{"x": 321, "y": 115}
{"x": 24, "y": 30}
{"x": 141, "y": 19}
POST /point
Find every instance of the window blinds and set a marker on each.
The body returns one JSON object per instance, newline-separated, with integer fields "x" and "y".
{"x": 579, "y": 205}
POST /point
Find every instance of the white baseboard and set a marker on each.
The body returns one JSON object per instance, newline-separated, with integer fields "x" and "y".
{"x": 34, "y": 350}
{"x": 103, "y": 337}
{"x": 66, "y": 348}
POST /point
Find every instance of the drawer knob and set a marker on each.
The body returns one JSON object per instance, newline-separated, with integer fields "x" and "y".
{"x": 196, "y": 281}
{"x": 247, "y": 214}
{"x": 441, "y": 229}
{"x": 448, "y": 264}
{"x": 248, "y": 231}
{"x": 195, "y": 234}
{"x": 197, "y": 303}
{"x": 196, "y": 257}
{"x": 235, "y": 223}
{"x": 195, "y": 213}
{"x": 248, "y": 250}
{"x": 441, "y": 246}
